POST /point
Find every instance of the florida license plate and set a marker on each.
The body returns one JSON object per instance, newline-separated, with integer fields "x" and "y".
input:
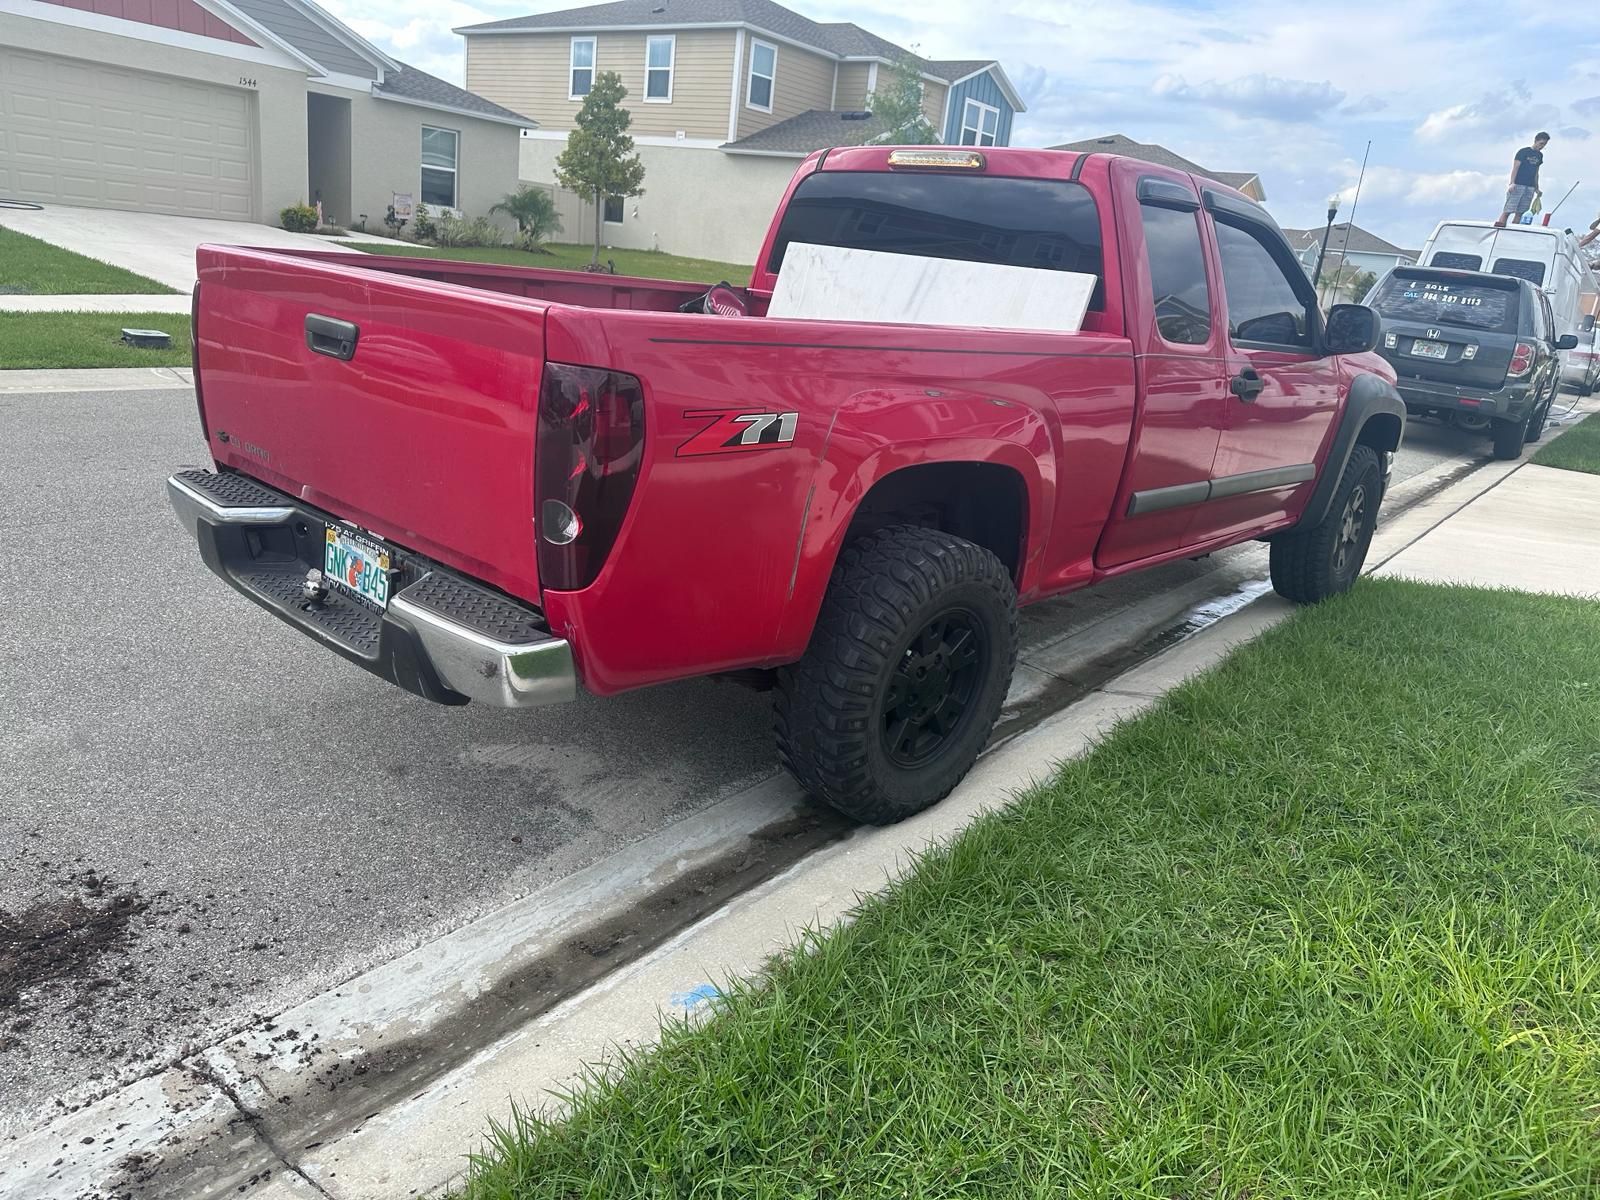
{"x": 1428, "y": 349}
{"x": 357, "y": 566}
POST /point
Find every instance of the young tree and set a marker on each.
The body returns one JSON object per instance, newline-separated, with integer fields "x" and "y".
{"x": 534, "y": 211}
{"x": 599, "y": 160}
{"x": 897, "y": 103}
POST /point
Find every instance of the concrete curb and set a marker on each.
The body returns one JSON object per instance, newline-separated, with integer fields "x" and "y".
{"x": 379, "y": 1086}
{"x": 110, "y": 379}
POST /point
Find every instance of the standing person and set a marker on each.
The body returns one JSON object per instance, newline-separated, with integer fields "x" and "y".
{"x": 1524, "y": 183}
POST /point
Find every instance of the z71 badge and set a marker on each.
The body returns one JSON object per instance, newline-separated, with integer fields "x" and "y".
{"x": 730, "y": 431}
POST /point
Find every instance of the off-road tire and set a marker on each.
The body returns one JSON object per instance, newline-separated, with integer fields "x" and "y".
{"x": 889, "y": 588}
{"x": 1509, "y": 437}
{"x": 1307, "y": 567}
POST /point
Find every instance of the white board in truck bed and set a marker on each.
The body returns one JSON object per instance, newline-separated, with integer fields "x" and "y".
{"x": 838, "y": 283}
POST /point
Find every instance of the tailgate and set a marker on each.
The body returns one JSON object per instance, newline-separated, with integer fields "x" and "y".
{"x": 423, "y": 435}
{"x": 1416, "y": 355}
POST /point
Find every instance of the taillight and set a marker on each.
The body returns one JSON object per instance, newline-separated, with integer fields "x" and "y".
{"x": 1521, "y": 359}
{"x": 586, "y": 463}
{"x": 194, "y": 360}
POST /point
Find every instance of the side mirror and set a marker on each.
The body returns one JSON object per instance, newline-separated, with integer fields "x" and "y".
{"x": 1352, "y": 329}
{"x": 1567, "y": 341}
{"x": 1588, "y": 320}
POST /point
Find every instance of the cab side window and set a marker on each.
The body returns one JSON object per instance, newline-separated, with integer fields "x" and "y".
{"x": 1182, "y": 296}
{"x": 1264, "y": 306}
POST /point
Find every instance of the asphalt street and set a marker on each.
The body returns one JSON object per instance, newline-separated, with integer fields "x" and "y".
{"x": 203, "y": 816}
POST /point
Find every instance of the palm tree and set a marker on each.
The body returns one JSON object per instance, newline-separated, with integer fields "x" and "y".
{"x": 534, "y": 211}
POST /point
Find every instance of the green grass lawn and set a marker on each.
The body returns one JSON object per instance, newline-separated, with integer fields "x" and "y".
{"x": 78, "y": 339}
{"x": 647, "y": 263}
{"x": 1324, "y": 924}
{"x": 1578, "y": 449}
{"x": 30, "y": 267}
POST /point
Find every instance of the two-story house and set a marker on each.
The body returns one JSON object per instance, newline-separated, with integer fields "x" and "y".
{"x": 726, "y": 97}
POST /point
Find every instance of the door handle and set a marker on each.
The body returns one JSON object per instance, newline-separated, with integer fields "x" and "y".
{"x": 331, "y": 336}
{"x": 1247, "y": 385}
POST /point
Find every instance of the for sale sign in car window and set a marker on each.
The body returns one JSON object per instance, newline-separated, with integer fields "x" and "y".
{"x": 1436, "y": 302}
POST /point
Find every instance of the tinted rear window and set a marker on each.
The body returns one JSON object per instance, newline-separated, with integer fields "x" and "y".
{"x": 1457, "y": 262}
{"x": 1520, "y": 268}
{"x": 1456, "y": 302}
{"x": 1051, "y": 224}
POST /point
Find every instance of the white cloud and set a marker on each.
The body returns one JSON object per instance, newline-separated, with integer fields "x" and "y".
{"x": 1266, "y": 96}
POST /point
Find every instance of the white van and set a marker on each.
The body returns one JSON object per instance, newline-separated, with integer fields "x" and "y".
{"x": 1549, "y": 258}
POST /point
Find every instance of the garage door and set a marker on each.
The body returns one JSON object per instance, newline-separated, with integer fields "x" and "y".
{"x": 74, "y": 132}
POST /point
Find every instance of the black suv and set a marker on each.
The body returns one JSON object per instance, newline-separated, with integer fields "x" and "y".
{"x": 1477, "y": 350}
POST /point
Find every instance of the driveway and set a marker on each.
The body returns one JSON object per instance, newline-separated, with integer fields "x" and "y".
{"x": 156, "y": 246}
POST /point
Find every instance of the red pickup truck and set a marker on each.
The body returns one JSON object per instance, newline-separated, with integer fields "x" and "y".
{"x": 494, "y": 483}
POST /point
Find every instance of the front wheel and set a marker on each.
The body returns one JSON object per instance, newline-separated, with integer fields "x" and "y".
{"x": 1510, "y": 437}
{"x": 905, "y": 675}
{"x": 1309, "y": 565}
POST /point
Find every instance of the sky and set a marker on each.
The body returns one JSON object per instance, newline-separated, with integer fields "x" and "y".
{"x": 1445, "y": 92}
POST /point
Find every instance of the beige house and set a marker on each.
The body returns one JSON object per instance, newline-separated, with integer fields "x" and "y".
{"x": 726, "y": 98}
{"x": 234, "y": 109}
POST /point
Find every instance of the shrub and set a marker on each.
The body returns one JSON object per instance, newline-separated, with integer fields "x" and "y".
{"x": 394, "y": 221}
{"x": 534, "y": 210}
{"x": 422, "y": 224}
{"x": 299, "y": 218}
{"x": 457, "y": 231}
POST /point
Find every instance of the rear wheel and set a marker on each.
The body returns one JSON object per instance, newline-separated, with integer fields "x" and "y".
{"x": 1309, "y": 565}
{"x": 903, "y": 680}
{"x": 1510, "y": 436}
{"x": 1539, "y": 416}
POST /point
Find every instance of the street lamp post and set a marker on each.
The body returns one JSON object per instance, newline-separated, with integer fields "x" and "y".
{"x": 1333, "y": 211}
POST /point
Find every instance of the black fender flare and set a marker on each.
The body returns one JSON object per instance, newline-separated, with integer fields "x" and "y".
{"x": 1373, "y": 415}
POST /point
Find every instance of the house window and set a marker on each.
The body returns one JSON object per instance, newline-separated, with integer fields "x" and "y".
{"x": 613, "y": 212}
{"x": 658, "y": 56}
{"x": 439, "y": 148}
{"x": 582, "y": 64}
{"x": 980, "y": 123}
{"x": 763, "y": 69}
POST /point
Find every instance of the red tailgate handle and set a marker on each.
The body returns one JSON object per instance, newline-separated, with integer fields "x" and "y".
{"x": 331, "y": 336}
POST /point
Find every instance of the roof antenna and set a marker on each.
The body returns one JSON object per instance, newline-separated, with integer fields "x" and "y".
{"x": 1355, "y": 201}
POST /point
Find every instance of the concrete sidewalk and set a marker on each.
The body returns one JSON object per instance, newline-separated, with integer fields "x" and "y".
{"x": 96, "y": 303}
{"x": 1538, "y": 530}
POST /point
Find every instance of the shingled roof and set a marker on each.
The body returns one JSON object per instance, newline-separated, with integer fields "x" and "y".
{"x": 810, "y": 131}
{"x": 1346, "y": 237}
{"x": 842, "y": 39}
{"x": 1121, "y": 143}
{"x": 410, "y": 84}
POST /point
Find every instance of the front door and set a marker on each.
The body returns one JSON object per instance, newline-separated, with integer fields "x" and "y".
{"x": 1179, "y": 362}
{"x": 1283, "y": 394}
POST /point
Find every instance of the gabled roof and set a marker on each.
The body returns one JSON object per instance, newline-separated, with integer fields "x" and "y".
{"x": 799, "y": 136}
{"x": 1345, "y": 237}
{"x": 1121, "y": 143}
{"x": 418, "y": 87}
{"x": 956, "y": 69}
{"x": 328, "y": 47}
{"x": 318, "y": 36}
{"x": 838, "y": 39}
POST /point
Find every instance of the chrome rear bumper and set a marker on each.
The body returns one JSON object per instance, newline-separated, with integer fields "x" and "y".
{"x": 442, "y": 636}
